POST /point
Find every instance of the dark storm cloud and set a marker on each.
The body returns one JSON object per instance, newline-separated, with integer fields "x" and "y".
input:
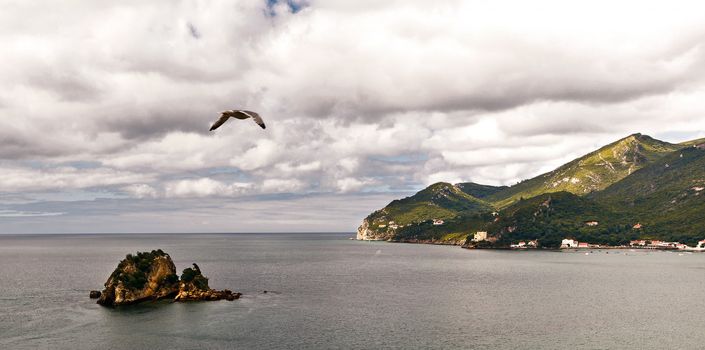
{"x": 18, "y": 145}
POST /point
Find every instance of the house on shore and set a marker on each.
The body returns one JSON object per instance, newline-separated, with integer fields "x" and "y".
{"x": 525, "y": 245}
{"x": 521, "y": 244}
{"x": 438, "y": 222}
{"x": 569, "y": 243}
{"x": 479, "y": 236}
{"x": 656, "y": 244}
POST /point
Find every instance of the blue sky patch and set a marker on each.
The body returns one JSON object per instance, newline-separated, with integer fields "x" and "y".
{"x": 294, "y": 6}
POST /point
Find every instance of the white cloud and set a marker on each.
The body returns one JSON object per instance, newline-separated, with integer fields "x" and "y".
{"x": 203, "y": 187}
{"x": 350, "y": 184}
{"x": 18, "y": 179}
{"x": 265, "y": 152}
{"x": 22, "y": 214}
{"x": 281, "y": 185}
{"x": 141, "y": 191}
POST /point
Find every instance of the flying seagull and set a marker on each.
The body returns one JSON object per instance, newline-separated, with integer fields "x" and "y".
{"x": 235, "y": 113}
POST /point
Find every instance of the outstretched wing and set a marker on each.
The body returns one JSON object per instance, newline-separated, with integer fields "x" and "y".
{"x": 223, "y": 118}
{"x": 256, "y": 118}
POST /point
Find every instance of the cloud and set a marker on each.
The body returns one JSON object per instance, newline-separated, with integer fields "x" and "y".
{"x": 203, "y": 187}
{"x": 317, "y": 213}
{"x": 22, "y": 214}
{"x": 20, "y": 179}
{"x": 115, "y": 101}
{"x": 141, "y": 191}
{"x": 282, "y": 185}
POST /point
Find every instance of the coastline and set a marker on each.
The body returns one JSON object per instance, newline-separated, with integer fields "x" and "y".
{"x": 576, "y": 249}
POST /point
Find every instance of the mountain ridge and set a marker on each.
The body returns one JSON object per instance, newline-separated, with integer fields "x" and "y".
{"x": 600, "y": 179}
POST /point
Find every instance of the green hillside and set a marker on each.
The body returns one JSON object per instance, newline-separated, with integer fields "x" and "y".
{"x": 438, "y": 201}
{"x": 593, "y": 172}
{"x": 634, "y": 180}
{"x": 551, "y": 217}
{"x": 692, "y": 143}
{"x": 479, "y": 191}
{"x": 667, "y": 197}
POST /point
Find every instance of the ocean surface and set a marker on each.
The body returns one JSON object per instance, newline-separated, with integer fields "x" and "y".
{"x": 328, "y": 292}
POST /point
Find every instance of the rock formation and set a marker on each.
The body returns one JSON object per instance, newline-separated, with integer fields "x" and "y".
{"x": 194, "y": 286}
{"x": 365, "y": 233}
{"x": 152, "y": 276}
{"x": 141, "y": 277}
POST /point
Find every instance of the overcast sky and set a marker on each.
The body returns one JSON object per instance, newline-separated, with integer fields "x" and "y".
{"x": 105, "y": 106}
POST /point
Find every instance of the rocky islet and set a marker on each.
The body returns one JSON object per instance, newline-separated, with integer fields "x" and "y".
{"x": 151, "y": 276}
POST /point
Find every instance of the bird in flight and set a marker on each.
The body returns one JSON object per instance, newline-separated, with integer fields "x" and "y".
{"x": 238, "y": 114}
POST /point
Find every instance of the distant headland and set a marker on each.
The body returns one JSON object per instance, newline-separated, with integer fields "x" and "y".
{"x": 634, "y": 189}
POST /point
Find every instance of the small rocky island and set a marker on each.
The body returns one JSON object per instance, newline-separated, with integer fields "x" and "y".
{"x": 150, "y": 276}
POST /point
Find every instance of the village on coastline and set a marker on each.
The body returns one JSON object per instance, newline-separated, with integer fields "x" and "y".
{"x": 638, "y": 244}
{"x": 483, "y": 240}
{"x": 571, "y": 243}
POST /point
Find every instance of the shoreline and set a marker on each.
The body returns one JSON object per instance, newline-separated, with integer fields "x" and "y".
{"x": 462, "y": 246}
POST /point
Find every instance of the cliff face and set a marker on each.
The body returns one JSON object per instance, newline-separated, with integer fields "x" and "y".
{"x": 145, "y": 276}
{"x": 364, "y": 233}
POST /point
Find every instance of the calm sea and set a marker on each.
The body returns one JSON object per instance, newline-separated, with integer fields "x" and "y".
{"x": 329, "y": 292}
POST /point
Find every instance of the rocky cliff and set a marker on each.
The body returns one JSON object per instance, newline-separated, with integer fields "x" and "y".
{"x": 140, "y": 277}
{"x": 152, "y": 276}
{"x": 194, "y": 286}
{"x": 365, "y": 233}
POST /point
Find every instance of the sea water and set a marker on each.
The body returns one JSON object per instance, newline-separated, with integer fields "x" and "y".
{"x": 328, "y": 292}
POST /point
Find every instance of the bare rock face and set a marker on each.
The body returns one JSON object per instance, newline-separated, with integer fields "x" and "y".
{"x": 365, "y": 233}
{"x": 141, "y": 277}
{"x": 194, "y": 287}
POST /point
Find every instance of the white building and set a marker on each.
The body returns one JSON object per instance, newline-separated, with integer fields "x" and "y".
{"x": 437, "y": 222}
{"x": 569, "y": 243}
{"x": 479, "y": 236}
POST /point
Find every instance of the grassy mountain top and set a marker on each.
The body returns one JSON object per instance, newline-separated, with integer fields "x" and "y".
{"x": 479, "y": 191}
{"x": 592, "y": 172}
{"x": 438, "y": 201}
{"x": 691, "y": 143}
